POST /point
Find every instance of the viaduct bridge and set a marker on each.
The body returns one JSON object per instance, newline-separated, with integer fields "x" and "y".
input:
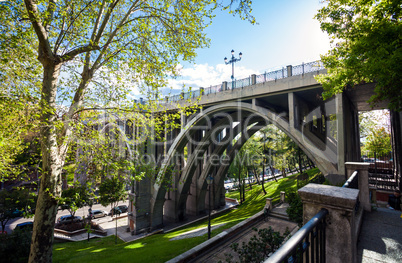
{"x": 207, "y": 142}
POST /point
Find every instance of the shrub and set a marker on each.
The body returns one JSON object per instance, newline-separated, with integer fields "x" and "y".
{"x": 295, "y": 209}
{"x": 259, "y": 247}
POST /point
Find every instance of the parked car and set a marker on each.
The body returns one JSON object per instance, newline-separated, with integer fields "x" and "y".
{"x": 25, "y": 226}
{"x": 115, "y": 211}
{"x": 123, "y": 208}
{"x": 16, "y": 213}
{"x": 118, "y": 210}
{"x": 68, "y": 219}
{"x": 97, "y": 213}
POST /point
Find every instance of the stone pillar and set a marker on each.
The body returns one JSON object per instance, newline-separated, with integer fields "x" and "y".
{"x": 341, "y": 234}
{"x": 364, "y": 194}
{"x": 268, "y": 203}
{"x": 225, "y": 85}
{"x": 289, "y": 70}
{"x": 282, "y": 197}
{"x": 253, "y": 79}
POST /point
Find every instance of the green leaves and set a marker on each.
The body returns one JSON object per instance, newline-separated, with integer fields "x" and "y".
{"x": 367, "y": 38}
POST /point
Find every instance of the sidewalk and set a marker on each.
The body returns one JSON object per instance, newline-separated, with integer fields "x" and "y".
{"x": 380, "y": 238}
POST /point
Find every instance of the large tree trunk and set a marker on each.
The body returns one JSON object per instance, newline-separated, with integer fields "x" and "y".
{"x": 52, "y": 163}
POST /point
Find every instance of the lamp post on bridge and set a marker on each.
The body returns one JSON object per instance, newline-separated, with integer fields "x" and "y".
{"x": 232, "y": 61}
{"x": 210, "y": 180}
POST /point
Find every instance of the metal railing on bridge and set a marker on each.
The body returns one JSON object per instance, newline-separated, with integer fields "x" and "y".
{"x": 306, "y": 245}
{"x": 241, "y": 83}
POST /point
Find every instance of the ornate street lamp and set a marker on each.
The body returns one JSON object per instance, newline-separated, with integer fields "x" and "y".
{"x": 232, "y": 61}
{"x": 210, "y": 180}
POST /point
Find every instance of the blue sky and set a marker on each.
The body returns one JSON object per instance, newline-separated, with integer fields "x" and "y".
{"x": 286, "y": 34}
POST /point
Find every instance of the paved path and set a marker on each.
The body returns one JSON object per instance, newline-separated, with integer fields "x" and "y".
{"x": 380, "y": 238}
{"x": 218, "y": 253}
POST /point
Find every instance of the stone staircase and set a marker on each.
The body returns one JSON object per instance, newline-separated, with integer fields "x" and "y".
{"x": 279, "y": 211}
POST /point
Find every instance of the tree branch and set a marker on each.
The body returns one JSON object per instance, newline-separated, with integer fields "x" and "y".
{"x": 71, "y": 54}
{"x": 44, "y": 46}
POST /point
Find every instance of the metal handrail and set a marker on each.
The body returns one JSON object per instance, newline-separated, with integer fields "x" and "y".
{"x": 288, "y": 251}
{"x": 352, "y": 181}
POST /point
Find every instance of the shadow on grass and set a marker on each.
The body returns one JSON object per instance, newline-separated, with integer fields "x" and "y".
{"x": 159, "y": 247}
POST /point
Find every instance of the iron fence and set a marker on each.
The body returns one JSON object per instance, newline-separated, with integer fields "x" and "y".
{"x": 382, "y": 173}
{"x": 240, "y": 83}
{"x": 265, "y": 77}
{"x": 306, "y": 245}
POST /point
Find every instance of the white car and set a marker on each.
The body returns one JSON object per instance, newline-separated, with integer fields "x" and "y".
{"x": 97, "y": 213}
{"x": 68, "y": 219}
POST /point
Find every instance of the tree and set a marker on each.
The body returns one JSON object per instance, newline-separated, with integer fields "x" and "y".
{"x": 366, "y": 36}
{"x": 379, "y": 141}
{"x": 104, "y": 49}
{"x": 111, "y": 192}
{"x": 74, "y": 198}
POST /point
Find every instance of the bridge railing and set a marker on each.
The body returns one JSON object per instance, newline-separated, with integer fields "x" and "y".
{"x": 213, "y": 89}
{"x": 306, "y": 245}
{"x": 240, "y": 83}
{"x": 261, "y": 78}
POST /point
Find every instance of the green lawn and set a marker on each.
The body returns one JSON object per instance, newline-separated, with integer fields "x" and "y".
{"x": 159, "y": 248}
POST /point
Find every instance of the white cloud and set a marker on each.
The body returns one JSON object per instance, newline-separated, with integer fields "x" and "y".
{"x": 204, "y": 75}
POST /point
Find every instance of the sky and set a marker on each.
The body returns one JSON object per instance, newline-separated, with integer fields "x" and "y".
{"x": 286, "y": 34}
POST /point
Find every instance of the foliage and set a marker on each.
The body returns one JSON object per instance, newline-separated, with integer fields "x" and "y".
{"x": 72, "y": 58}
{"x": 15, "y": 203}
{"x": 366, "y": 38}
{"x": 111, "y": 191}
{"x": 379, "y": 141}
{"x": 75, "y": 197}
{"x": 258, "y": 248}
{"x": 14, "y": 248}
{"x": 295, "y": 209}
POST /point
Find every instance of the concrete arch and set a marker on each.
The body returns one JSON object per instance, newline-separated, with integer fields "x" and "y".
{"x": 322, "y": 156}
{"x": 188, "y": 173}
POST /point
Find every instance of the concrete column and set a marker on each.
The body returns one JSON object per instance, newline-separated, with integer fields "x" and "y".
{"x": 364, "y": 194}
{"x": 225, "y": 85}
{"x": 340, "y": 133}
{"x": 289, "y": 70}
{"x": 291, "y": 103}
{"x": 253, "y": 79}
{"x": 140, "y": 205}
{"x": 341, "y": 234}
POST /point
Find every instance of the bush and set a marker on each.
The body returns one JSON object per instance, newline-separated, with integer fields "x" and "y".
{"x": 258, "y": 248}
{"x": 14, "y": 248}
{"x": 295, "y": 209}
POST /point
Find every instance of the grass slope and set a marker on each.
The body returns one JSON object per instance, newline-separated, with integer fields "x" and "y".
{"x": 159, "y": 247}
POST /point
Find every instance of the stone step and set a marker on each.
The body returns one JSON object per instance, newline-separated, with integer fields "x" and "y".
{"x": 279, "y": 215}
{"x": 279, "y": 211}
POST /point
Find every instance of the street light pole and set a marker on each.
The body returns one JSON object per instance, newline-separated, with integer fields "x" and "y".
{"x": 232, "y": 61}
{"x": 210, "y": 179}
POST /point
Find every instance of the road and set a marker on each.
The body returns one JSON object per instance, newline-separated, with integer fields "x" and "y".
{"x": 82, "y": 212}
